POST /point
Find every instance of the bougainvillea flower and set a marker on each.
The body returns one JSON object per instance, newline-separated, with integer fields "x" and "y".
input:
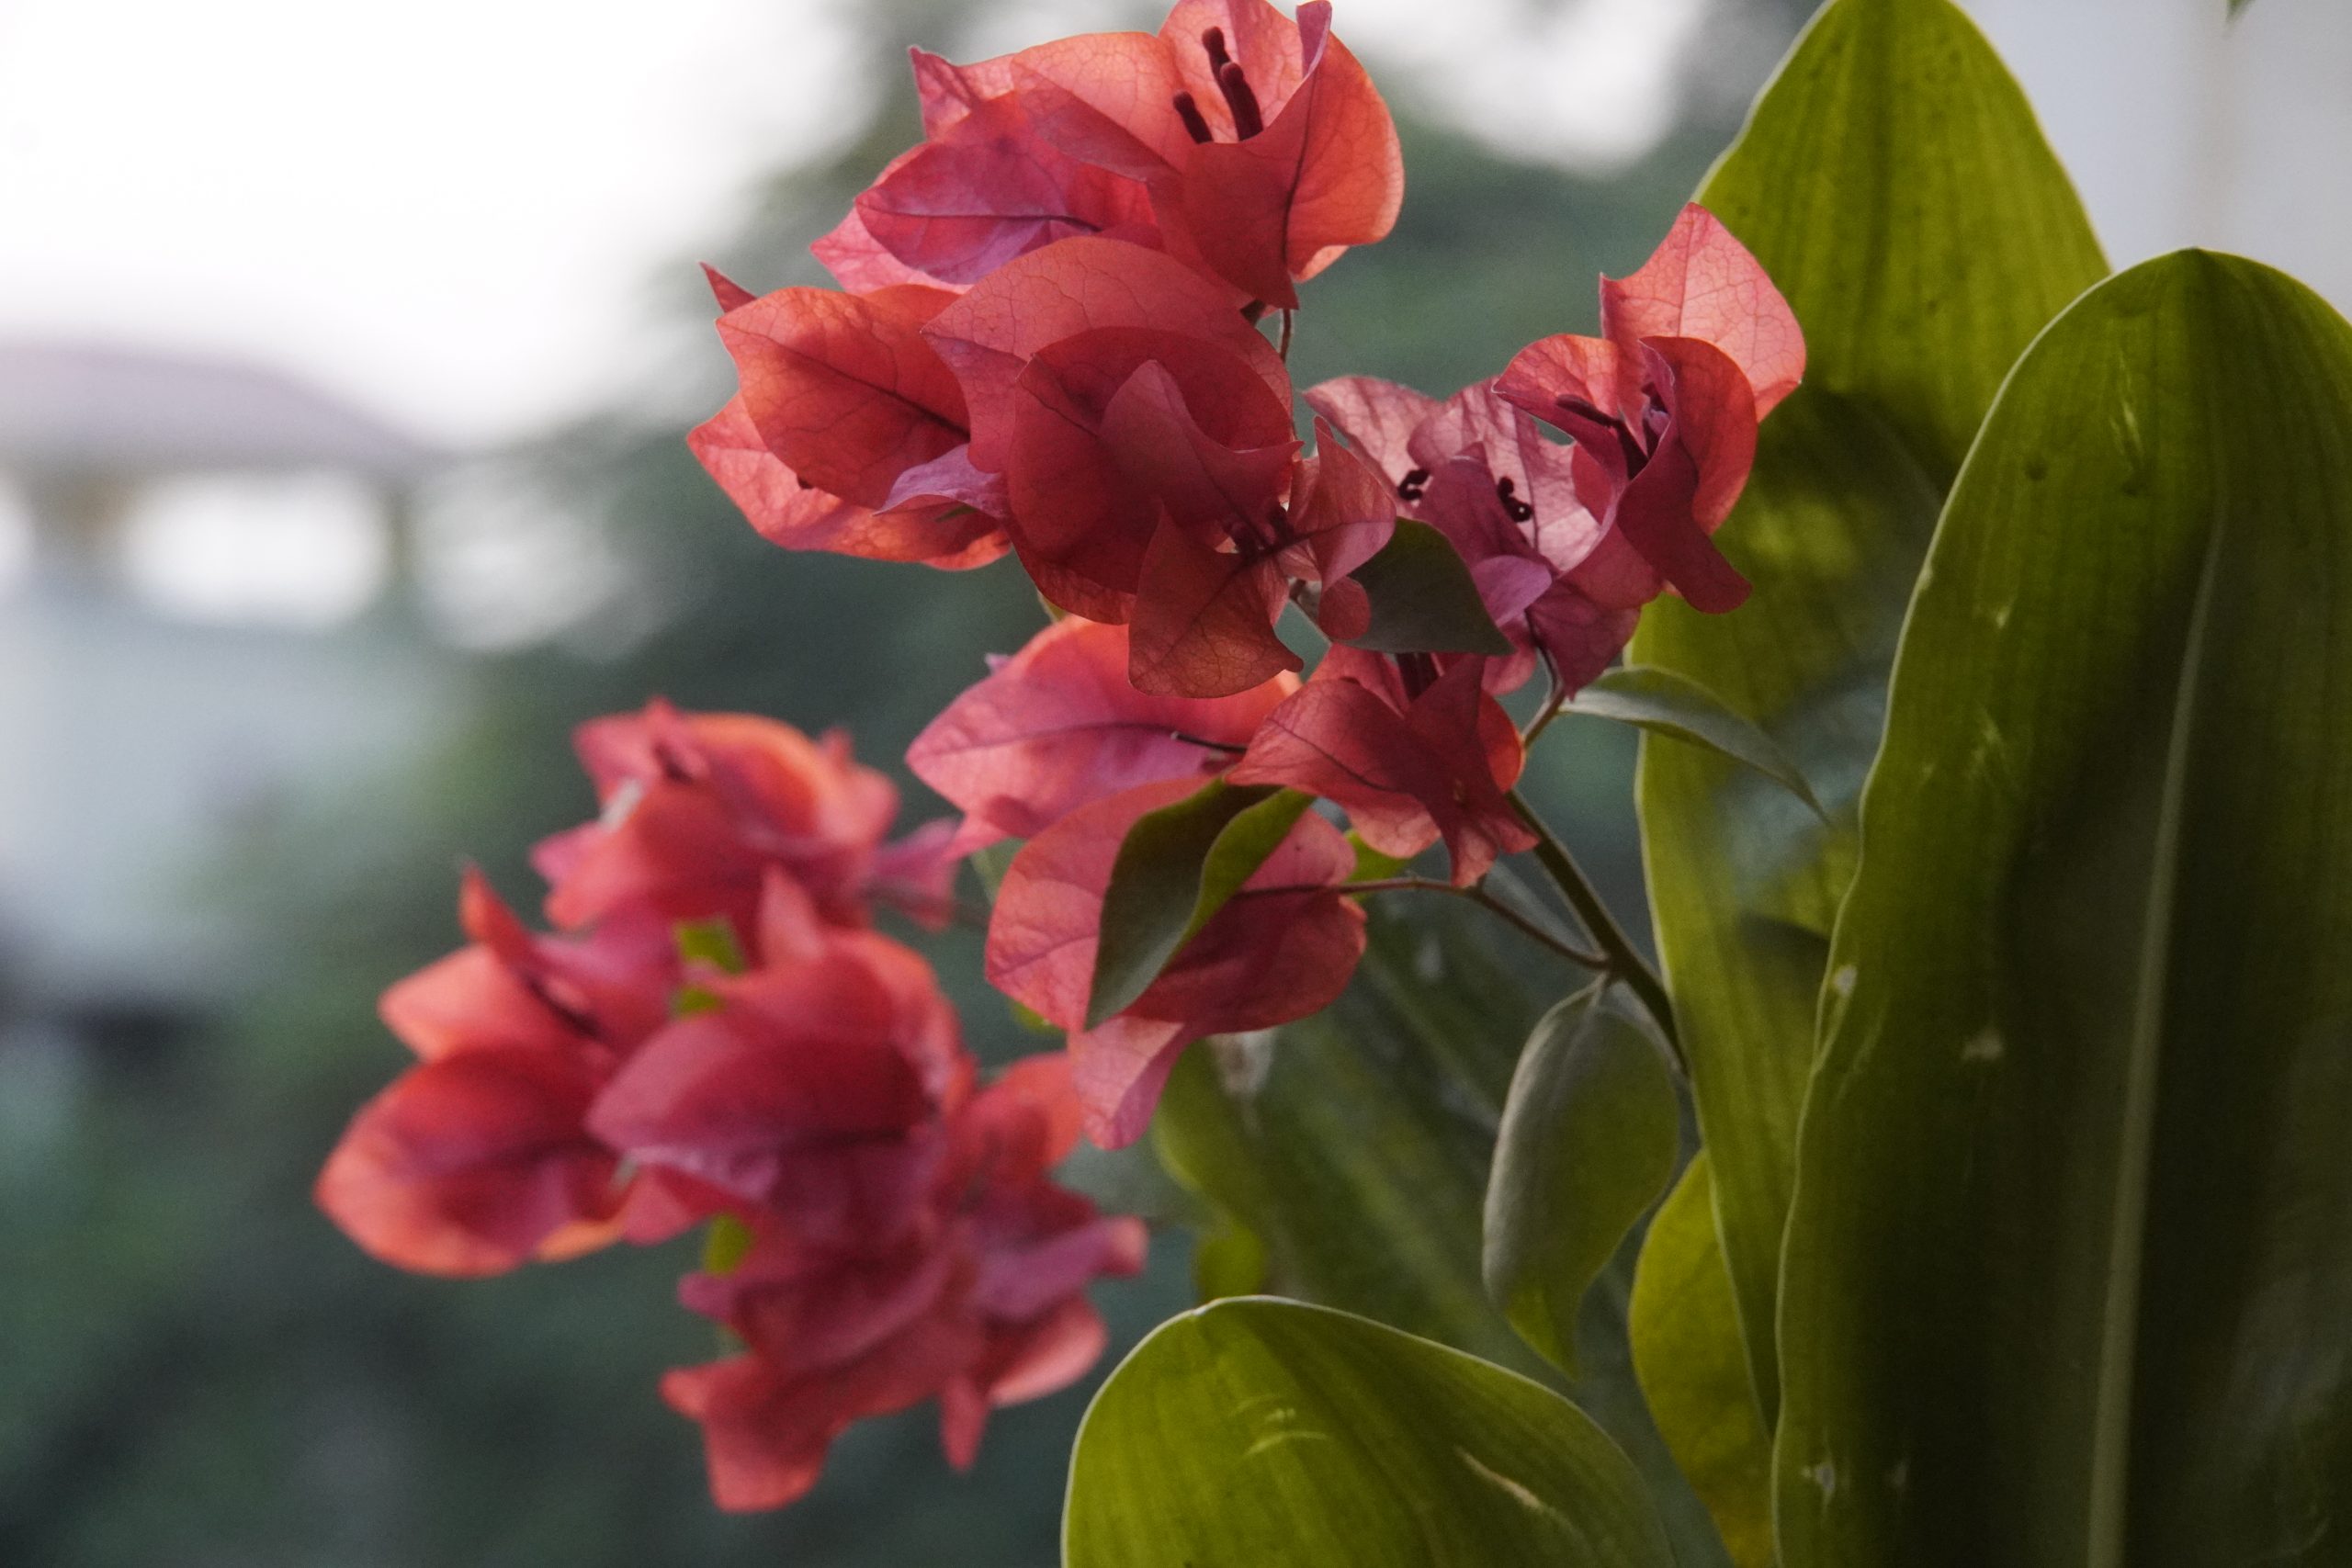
{"x": 1046, "y": 345}
{"x": 1282, "y": 948}
{"x": 511, "y": 986}
{"x": 847, "y": 434}
{"x": 1295, "y": 157}
{"x": 697, "y": 808}
{"x": 980, "y": 1303}
{"x": 477, "y": 1159}
{"x": 1251, "y": 147}
{"x": 811, "y": 1085}
{"x": 1696, "y": 348}
{"x": 1058, "y": 725}
{"x": 1409, "y": 769}
{"x": 984, "y": 188}
{"x": 476, "y": 1162}
{"x": 1482, "y": 472}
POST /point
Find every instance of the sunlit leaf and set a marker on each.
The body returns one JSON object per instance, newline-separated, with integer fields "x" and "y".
{"x": 2067, "y": 1278}
{"x": 1894, "y": 184}
{"x": 1693, "y": 1371}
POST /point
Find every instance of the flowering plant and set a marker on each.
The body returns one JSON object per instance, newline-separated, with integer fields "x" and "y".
{"x": 1946, "y": 1267}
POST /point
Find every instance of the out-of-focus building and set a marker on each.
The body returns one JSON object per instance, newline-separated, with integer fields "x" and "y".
{"x": 207, "y": 621}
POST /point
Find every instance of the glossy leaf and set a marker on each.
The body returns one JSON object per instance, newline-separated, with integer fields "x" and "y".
{"x": 1423, "y": 599}
{"x": 1694, "y": 1371}
{"x": 1664, "y": 702}
{"x": 1284, "y": 1436}
{"x": 1353, "y": 1147}
{"x": 1177, "y": 867}
{"x": 1589, "y": 1141}
{"x": 2067, "y": 1278}
{"x": 1894, "y": 186}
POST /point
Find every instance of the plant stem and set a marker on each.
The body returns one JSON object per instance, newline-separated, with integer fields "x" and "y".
{"x": 1486, "y": 900}
{"x": 1555, "y": 699}
{"x": 1283, "y": 349}
{"x": 1623, "y": 960}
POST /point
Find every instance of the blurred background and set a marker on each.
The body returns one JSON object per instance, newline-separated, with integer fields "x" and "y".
{"x": 344, "y": 359}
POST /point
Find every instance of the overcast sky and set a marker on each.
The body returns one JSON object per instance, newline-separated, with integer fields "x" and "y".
{"x": 453, "y": 208}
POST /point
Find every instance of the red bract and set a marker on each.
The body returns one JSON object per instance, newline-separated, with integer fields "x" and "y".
{"x": 479, "y": 1159}
{"x": 1480, "y": 471}
{"x": 1251, "y": 147}
{"x": 1697, "y": 347}
{"x": 1407, "y": 768}
{"x": 811, "y": 1086}
{"x": 698, "y": 808}
{"x": 977, "y": 1300}
{"x": 848, "y": 433}
{"x": 1282, "y": 949}
{"x": 1058, "y": 725}
{"x": 1297, "y": 158}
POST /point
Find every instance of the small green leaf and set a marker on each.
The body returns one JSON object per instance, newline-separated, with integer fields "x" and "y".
{"x": 1423, "y": 600}
{"x": 1588, "y": 1140}
{"x": 1665, "y": 703}
{"x": 1370, "y": 864}
{"x": 712, "y": 943}
{"x": 1693, "y": 1367}
{"x": 692, "y": 999}
{"x": 2238, "y": 5}
{"x": 725, "y": 1244}
{"x": 1176, "y": 868}
{"x": 991, "y": 863}
{"x": 1268, "y": 1434}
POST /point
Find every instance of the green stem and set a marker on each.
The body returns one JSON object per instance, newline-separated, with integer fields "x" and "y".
{"x": 1623, "y": 960}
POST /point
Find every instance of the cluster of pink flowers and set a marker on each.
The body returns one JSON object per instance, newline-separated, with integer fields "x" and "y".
{"x": 716, "y": 1035}
{"x": 1050, "y": 339}
{"x": 1061, "y": 332}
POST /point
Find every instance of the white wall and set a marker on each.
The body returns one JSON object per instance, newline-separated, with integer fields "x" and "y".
{"x": 2183, "y": 128}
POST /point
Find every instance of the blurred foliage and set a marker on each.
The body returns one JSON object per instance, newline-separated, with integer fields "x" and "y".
{"x": 195, "y": 1367}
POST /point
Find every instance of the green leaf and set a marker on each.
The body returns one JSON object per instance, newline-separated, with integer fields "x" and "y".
{"x": 1177, "y": 867}
{"x": 1354, "y": 1145}
{"x": 2238, "y": 5}
{"x": 1275, "y": 1435}
{"x": 2069, "y": 1274}
{"x": 1693, "y": 1371}
{"x": 1354, "y": 1148}
{"x": 1664, "y": 702}
{"x": 712, "y": 943}
{"x": 1894, "y": 183}
{"x": 725, "y": 1244}
{"x": 1590, "y": 1136}
{"x": 1423, "y": 600}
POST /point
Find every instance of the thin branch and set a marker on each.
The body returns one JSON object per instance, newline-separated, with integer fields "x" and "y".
{"x": 1623, "y": 960}
{"x": 1555, "y": 699}
{"x": 1283, "y": 347}
{"x": 1486, "y": 900}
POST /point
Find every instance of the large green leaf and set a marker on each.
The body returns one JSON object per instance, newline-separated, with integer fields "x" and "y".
{"x": 1894, "y": 183}
{"x": 2069, "y": 1276}
{"x": 1693, "y": 1371}
{"x": 1267, "y": 1434}
{"x": 1589, "y": 1141}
